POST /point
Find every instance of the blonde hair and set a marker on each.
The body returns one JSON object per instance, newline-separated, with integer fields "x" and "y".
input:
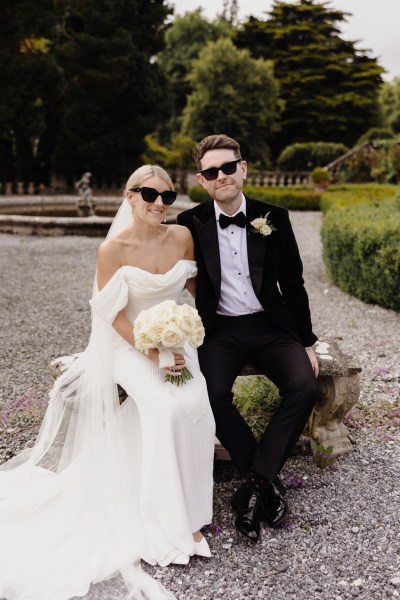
{"x": 143, "y": 173}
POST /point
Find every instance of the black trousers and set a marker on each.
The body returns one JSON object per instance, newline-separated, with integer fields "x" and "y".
{"x": 253, "y": 338}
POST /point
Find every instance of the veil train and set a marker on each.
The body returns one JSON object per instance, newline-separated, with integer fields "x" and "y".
{"x": 66, "y": 517}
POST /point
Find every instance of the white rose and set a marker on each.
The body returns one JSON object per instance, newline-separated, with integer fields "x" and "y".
{"x": 187, "y": 311}
{"x": 188, "y": 319}
{"x": 197, "y": 337}
{"x": 172, "y": 336}
{"x": 144, "y": 340}
{"x": 258, "y": 223}
{"x": 265, "y": 230}
{"x": 164, "y": 312}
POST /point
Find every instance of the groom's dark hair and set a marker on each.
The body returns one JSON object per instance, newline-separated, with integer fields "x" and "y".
{"x": 219, "y": 141}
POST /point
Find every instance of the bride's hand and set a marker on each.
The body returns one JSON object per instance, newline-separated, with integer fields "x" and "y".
{"x": 153, "y": 355}
{"x": 177, "y": 367}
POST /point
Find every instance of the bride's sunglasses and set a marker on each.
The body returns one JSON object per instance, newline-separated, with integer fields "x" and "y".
{"x": 228, "y": 168}
{"x": 151, "y": 194}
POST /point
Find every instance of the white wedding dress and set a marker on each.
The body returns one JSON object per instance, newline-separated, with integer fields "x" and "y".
{"x": 107, "y": 485}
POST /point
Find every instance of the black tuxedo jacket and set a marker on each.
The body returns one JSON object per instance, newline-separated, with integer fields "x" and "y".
{"x": 275, "y": 265}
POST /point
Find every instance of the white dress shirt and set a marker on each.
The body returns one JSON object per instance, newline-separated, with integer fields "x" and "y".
{"x": 237, "y": 295}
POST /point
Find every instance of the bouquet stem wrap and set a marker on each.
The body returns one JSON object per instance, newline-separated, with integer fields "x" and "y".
{"x": 166, "y": 359}
{"x": 167, "y": 326}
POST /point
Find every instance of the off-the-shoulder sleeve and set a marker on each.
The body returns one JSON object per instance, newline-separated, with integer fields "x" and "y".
{"x": 191, "y": 268}
{"x": 112, "y": 298}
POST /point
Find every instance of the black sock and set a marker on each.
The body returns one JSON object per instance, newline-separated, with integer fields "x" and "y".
{"x": 258, "y": 481}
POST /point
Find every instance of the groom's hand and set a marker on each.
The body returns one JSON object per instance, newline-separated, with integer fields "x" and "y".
{"x": 313, "y": 360}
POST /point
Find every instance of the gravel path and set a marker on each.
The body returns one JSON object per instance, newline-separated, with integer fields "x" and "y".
{"x": 341, "y": 539}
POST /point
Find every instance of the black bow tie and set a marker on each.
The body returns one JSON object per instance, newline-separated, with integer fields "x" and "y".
{"x": 239, "y": 220}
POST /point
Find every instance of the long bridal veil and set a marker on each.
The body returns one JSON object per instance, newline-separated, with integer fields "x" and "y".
{"x": 66, "y": 517}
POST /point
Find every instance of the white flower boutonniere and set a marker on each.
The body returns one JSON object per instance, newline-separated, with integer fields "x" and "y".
{"x": 263, "y": 226}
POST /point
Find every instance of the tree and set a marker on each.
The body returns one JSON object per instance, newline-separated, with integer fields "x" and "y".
{"x": 328, "y": 86}
{"x": 114, "y": 91}
{"x": 389, "y": 104}
{"x": 30, "y": 86}
{"x": 186, "y": 37}
{"x": 230, "y": 10}
{"x": 233, "y": 94}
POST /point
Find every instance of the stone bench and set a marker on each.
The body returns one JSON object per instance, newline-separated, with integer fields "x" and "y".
{"x": 339, "y": 387}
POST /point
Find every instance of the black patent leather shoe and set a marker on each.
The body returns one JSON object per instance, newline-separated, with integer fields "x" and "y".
{"x": 274, "y": 505}
{"x": 248, "y": 504}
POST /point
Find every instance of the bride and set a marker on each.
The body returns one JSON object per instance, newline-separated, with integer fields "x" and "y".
{"x": 108, "y": 485}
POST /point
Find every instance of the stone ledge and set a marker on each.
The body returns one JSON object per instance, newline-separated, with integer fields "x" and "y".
{"x": 339, "y": 387}
{"x": 55, "y": 226}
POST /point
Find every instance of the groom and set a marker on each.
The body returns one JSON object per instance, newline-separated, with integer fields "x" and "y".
{"x": 255, "y": 309}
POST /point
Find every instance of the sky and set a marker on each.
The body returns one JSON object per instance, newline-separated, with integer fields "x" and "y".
{"x": 375, "y": 23}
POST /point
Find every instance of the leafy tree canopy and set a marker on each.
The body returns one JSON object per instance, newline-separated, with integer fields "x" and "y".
{"x": 389, "y": 104}
{"x": 184, "y": 39}
{"x": 235, "y": 94}
{"x": 328, "y": 86}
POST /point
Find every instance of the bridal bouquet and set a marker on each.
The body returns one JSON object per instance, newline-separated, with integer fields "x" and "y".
{"x": 167, "y": 326}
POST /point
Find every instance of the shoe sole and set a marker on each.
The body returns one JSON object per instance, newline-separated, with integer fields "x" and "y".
{"x": 276, "y": 523}
{"x": 244, "y": 534}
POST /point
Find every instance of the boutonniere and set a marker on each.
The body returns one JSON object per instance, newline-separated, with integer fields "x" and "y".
{"x": 263, "y": 226}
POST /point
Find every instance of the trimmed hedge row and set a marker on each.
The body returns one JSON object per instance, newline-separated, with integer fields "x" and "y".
{"x": 351, "y": 194}
{"x": 361, "y": 250}
{"x": 290, "y": 198}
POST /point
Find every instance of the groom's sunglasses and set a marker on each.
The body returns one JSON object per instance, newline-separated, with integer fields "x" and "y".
{"x": 151, "y": 194}
{"x": 228, "y": 168}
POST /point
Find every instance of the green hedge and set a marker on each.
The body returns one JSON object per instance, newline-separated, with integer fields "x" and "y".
{"x": 361, "y": 250}
{"x": 291, "y": 198}
{"x": 350, "y": 194}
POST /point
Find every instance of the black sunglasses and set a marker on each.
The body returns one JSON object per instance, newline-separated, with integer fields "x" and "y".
{"x": 228, "y": 168}
{"x": 151, "y": 194}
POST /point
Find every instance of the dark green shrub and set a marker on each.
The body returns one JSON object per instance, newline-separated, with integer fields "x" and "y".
{"x": 307, "y": 156}
{"x": 320, "y": 176}
{"x": 361, "y": 251}
{"x": 198, "y": 194}
{"x": 290, "y": 198}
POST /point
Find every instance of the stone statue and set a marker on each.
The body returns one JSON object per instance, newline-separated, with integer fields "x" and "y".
{"x": 85, "y": 201}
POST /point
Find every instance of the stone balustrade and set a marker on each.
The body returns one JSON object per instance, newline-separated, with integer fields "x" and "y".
{"x": 256, "y": 178}
{"x": 278, "y": 179}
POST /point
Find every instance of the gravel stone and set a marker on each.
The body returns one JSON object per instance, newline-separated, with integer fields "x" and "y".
{"x": 343, "y": 523}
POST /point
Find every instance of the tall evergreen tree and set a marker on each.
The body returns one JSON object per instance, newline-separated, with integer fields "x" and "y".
{"x": 329, "y": 87}
{"x": 114, "y": 92}
{"x": 30, "y": 84}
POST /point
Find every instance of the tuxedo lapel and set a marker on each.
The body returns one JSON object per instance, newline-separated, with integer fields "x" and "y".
{"x": 256, "y": 247}
{"x": 206, "y": 229}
